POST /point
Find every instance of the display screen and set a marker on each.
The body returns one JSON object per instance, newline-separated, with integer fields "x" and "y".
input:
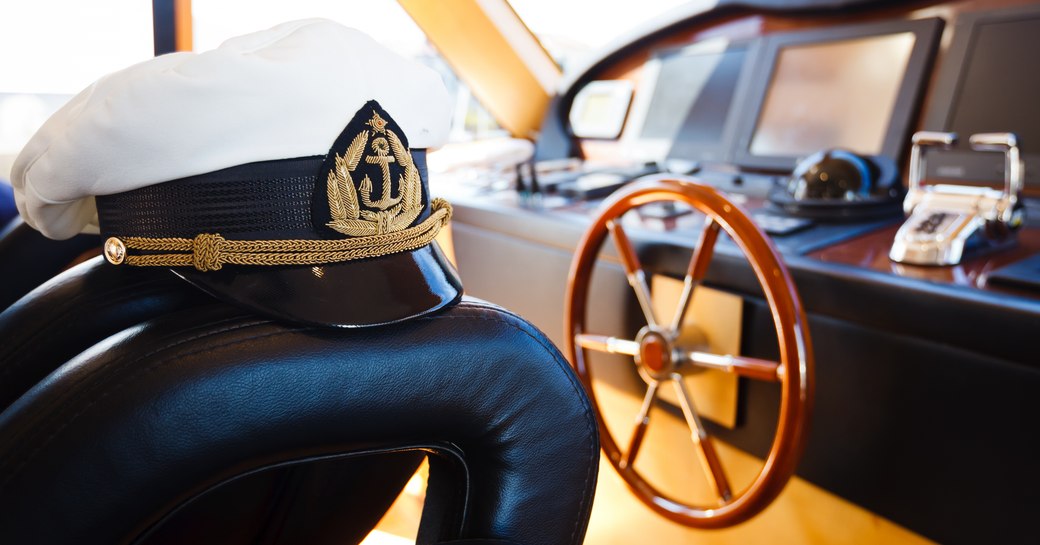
{"x": 599, "y": 109}
{"x": 837, "y": 94}
{"x": 692, "y": 97}
{"x": 996, "y": 91}
{"x": 997, "y": 95}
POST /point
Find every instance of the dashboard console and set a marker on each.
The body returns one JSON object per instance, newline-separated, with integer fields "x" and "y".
{"x": 734, "y": 108}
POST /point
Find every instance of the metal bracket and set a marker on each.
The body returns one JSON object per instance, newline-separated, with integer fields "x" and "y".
{"x": 944, "y": 218}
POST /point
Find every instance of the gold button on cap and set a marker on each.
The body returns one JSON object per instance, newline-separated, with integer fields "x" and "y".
{"x": 115, "y": 250}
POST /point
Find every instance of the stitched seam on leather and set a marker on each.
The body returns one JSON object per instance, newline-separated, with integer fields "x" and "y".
{"x": 62, "y": 325}
{"x": 70, "y": 393}
{"x": 287, "y": 463}
{"x": 590, "y": 421}
{"x": 59, "y": 313}
{"x": 114, "y": 372}
{"x": 460, "y": 490}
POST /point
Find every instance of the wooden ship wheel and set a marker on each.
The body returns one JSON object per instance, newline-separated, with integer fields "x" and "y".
{"x": 662, "y": 361}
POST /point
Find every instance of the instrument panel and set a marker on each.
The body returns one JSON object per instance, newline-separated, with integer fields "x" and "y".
{"x": 760, "y": 92}
{"x": 743, "y": 101}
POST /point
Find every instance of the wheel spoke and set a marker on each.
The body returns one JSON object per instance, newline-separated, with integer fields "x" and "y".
{"x": 758, "y": 369}
{"x": 665, "y": 353}
{"x": 710, "y": 460}
{"x": 642, "y": 421}
{"x": 698, "y": 267}
{"x": 603, "y": 343}
{"x": 633, "y": 270}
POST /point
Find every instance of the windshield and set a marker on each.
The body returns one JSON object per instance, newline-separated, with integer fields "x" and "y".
{"x": 45, "y": 59}
{"x": 566, "y": 32}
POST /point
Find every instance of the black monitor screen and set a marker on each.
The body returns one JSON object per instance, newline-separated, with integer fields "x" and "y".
{"x": 692, "y": 95}
{"x": 853, "y": 87}
{"x": 993, "y": 87}
{"x": 832, "y": 95}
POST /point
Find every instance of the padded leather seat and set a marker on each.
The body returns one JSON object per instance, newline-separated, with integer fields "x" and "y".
{"x": 92, "y": 301}
{"x": 73, "y": 311}
{"x": 28, "y": 259}
{"x": 208, "y": 425}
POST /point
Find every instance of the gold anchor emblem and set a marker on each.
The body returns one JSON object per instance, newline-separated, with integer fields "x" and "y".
{"x": 383, "y": 158}
{"x": 390, "y": 214}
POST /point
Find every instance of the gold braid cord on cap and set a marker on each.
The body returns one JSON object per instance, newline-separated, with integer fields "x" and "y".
{"x": 210, "y": 252}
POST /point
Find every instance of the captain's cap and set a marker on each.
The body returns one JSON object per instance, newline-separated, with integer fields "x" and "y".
{"x": 284, "y": 171}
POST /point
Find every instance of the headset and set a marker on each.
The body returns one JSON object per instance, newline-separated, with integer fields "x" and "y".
{"x": 837, "y": 184}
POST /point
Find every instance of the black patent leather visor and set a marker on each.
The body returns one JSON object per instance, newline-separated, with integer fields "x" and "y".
{"x": 369, "y": 292}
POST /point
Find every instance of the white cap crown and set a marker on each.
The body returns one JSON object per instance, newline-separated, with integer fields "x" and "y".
{"x": 276, "y": 94}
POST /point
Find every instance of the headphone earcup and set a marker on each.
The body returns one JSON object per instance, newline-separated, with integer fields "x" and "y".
{"x": 887, "y": 176}
{"x": 867, "y": 170}
{"x": 837, "y": 184}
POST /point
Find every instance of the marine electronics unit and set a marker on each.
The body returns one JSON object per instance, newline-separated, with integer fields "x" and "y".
{"x": 683, "y": 107}
{"x": 946, "y": 220}
{"x": 852, "y": 87}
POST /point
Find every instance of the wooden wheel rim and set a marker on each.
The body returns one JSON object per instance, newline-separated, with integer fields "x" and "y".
{"x": 792, "y": 335}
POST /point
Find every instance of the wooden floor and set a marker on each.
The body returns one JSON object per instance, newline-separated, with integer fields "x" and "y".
{"x": 380, "y": 537}
{"x": 401, "y": 523}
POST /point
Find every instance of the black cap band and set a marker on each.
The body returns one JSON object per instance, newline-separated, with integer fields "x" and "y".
{"x": 267, "y": 200}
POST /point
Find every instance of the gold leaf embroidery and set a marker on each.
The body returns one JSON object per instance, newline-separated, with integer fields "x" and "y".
{"x": 392, "y": 214}
{"x": 343, "y": 201}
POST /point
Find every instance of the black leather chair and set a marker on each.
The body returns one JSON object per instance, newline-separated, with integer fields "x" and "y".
{"x": 28, "y": 259}
{"x": 74, "y": 310}
{"x": 92, "y": 301}
{"x": 204, "y": 424}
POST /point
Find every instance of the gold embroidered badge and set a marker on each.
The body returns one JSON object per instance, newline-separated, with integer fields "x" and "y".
{"x": 386, "y": 214}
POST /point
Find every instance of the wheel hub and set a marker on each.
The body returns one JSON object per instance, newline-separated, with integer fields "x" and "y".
{"x": 655, "y": 352}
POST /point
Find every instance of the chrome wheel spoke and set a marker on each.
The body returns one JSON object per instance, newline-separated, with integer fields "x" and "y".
{"x": 604, "y": 343}
{"x": 758, "y": 369}
{"x": 642, "y": 421}
{"x": 709, "y": 458}
{"x": 697, "y": 269}
{"x": 633, "y": 270}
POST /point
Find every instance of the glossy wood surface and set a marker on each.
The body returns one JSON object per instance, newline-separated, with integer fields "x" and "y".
{"x": 871, "y": 252}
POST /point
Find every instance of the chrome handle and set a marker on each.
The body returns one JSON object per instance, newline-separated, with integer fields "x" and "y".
{"x": 993, "y": 141}
{"x": 1006, "y": 142}
{"x": 921, "y": 140}
{"x": 934, "y": 138}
